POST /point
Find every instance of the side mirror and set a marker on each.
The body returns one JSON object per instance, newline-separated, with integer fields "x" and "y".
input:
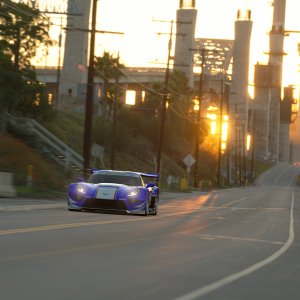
{"x": 80, "y": 179}
{"x": 150, "y": 184}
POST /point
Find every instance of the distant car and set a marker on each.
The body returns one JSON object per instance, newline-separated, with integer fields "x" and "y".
{"x": 119, "y": 191}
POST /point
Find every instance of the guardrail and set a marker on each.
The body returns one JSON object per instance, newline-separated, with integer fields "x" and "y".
{"x": 61, "y": 152}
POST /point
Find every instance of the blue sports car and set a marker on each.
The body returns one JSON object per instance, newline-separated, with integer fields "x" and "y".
{"x": 120, "y": 191}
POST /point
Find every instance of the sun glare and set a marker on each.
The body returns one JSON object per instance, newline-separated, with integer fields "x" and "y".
{"x": 145, "y": 39}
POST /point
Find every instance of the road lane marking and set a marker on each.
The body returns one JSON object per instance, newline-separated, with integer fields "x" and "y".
{"x": 262, "y": 177}
{"x": 290, "y": 183}
{"x": 69, "y": 250}
{"x": 236, "y": 276}
{"x": 214, "y": 237}
{"x": 137, "y": 219}
{"x": 84, "y": 224}
{"x": 30, "y": 207}
{"x": 294, "y": 179}
{"x": 234, "y": 202}
{"x": 277, "y": 179}
{"x": 259, "y": 208}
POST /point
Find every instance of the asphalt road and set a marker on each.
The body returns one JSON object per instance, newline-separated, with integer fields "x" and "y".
{"x": 236, "y": 244}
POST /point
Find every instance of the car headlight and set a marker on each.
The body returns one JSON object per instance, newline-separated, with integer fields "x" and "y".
{"x": 80, "y": 189}
{"x": 133, "y": 193}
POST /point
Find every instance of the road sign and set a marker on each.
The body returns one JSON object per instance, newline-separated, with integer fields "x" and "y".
{"x": 189, "y": 160}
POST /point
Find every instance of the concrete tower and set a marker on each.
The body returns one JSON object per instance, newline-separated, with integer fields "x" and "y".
{"x": 238, "y": 98}
{"x": 185, "y": 37}
{"x": 275, "y": 62}
{"x": 74, "y": 72}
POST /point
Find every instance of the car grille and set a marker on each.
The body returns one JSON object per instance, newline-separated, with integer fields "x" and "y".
{"x": 104, "y": 204}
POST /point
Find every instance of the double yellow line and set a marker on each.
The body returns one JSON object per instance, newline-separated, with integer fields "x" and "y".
{"x": 74, "y": 225}
{"x": 62, "y": 226}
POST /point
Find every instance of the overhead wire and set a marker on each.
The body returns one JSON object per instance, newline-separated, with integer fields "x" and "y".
{"x": 18, "y": 9}
{"x": 133, "y": 77}
{"x": 179, "y": 114}
{"x": 172, "y": 92}
{"x": 125, "y": 75}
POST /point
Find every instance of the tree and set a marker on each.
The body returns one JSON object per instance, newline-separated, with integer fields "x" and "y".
{"x": 108, "y": 67}
{"x": 22, "y": 30}
{"x": 177, "y": 122}
{"x": 10, "y": 82}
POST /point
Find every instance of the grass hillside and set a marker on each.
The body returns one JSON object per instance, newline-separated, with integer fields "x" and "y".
{"x": 68, "y": 127}
{"x": 16, "y": 156}
{"x": 133, "y": 152}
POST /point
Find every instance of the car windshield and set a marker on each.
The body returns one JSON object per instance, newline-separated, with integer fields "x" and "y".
{"x": 132, "y": 180}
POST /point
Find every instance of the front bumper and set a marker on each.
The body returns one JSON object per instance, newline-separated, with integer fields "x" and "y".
{"x": 107, "y": 205}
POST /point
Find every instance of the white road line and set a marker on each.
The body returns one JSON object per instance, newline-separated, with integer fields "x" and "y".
{"x": 293, "y": 179}
{"x": 277, "y": 179}
{"x": 259, "y": 208}
{"x": 261, "y": 178}
{"x": 233, "y": 202}
{"x": 231, "y": 278}
{"x": 214, "y": 237}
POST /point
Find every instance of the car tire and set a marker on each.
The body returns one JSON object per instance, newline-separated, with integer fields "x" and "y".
{"x": 147, "y": 206}
{"x": 77, "y": 210}
{"x": 155, "y": 209}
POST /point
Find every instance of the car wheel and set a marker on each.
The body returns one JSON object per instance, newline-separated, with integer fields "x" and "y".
{"x": 147, "y": 206}
{"x": 155, "y": 209}
{"x": 70, "y": 209}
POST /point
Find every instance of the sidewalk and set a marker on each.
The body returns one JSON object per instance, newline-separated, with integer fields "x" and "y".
{"x": 27, "y": 204}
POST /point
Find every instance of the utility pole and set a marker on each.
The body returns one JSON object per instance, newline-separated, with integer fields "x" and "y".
{"x": 220, "y": 135}
{"x": 228, "y": 146}
{"x": 244, "y": 154}
{"x": 200, "y": 92}
{"x": 236, "y": 145}
{"x": 58, "y": 65}
{"x": 114, "y": 127}
{"x": 89, "y": 96}
{"x": 253, "y": 145}
{"x": 196, "y": 166}
{"x": 87, "y": 137}
{"x": 165, "y": 96}
{"x": 164, "y": 104}
{"x": 240, "y": 153}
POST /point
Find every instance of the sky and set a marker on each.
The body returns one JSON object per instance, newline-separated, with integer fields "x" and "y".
{"x": 142, "y": 46}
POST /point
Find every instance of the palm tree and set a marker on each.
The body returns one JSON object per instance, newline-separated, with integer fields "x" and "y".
{"x": 108, "y": 67}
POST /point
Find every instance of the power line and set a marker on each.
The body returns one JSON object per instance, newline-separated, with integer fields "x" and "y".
{"x": 133, "y": 77}
{"x": 22, "y": 11}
